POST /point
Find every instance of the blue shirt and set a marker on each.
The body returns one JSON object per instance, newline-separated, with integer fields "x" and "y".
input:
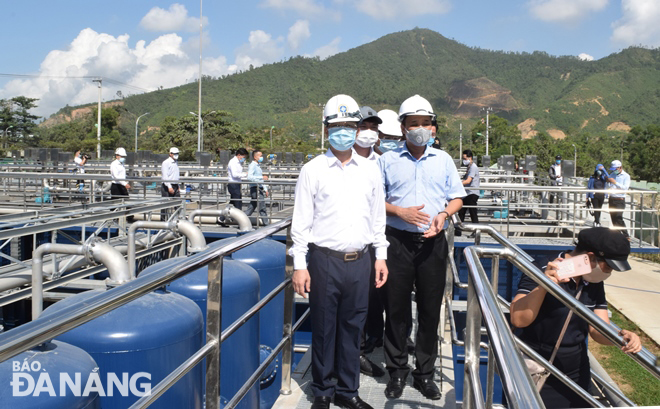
{"x": 431, "y": 181}
{"x": 622, "y": 184}
{"x": 255, "y": 174}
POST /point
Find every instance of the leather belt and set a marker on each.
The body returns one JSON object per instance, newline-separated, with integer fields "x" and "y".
{"x": 346, "y": 256}
{"x": 408, "y": 235}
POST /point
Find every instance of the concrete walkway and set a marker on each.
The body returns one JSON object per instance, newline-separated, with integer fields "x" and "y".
{"x": 636, "y": 294}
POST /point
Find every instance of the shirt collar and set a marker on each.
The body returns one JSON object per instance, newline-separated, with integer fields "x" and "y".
{"x": 332, "y": 159}
{"x": 427, "y": 152}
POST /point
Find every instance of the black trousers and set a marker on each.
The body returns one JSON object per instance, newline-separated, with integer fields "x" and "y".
{"x": 597, "y": 202}
{"x": 165, "y": 192}
{"x": 118, "y": 191}
{"x": 235, "y": 194}
{"x": 617, "y": 206}
{"x": 421, "y": 264}
{"x": 574, "y": 362}
{"x": 469, "y": 200}
{"x": 258, "y": 201}
{"x": 338, "y": 307}
{"x": 374, "y": 326}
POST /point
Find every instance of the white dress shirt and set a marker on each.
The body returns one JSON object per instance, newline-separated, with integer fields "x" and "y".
{"x": 170, "y": 172}
{"x": 338, "y": 207}
{"x": 118, "y": 172}
{"x": 235, "y": 170}
{"x": 622, "y": 184}
{"x": 79, "y": 165}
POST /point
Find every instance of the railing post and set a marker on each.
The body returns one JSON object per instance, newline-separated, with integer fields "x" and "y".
{"x": 490, "y": 374}
{"x": 213, "y": 331}
{"x": 472, "y": 351}
{"x": 287, "y": 352}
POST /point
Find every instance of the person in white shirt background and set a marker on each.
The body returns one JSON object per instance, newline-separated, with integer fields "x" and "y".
{"x": 339, "y": 214}
{"x": 619, "y": 183}
{"x": 235, "y": 175}
{"x": 80, "y": 161}
{"x": 258, "y": 192}
{"x": 390, "y": 136}
{"x": 170, "y": 175}
{"x": 120, "y": 186}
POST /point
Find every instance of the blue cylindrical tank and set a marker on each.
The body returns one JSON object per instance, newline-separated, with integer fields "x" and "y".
{"x": 142, "y": 341}
{"x": 240, "y": 291}
{"x": 29, "y": 379}
{"x": 268, "y": 257}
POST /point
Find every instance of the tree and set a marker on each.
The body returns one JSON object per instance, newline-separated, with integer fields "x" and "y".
{"x": 17, "y": 122}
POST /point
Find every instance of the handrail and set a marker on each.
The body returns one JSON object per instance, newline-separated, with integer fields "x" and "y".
{"x": 516, "y": 380}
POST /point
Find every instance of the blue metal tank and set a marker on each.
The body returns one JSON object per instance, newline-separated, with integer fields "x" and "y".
{"x": 143, "y": 341}
{"x": 29, "y": 379}
{"x": 240, "y": 291}
{"x": 268, "y": 257}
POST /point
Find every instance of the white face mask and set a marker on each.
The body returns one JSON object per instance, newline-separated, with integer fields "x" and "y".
{"x": 122, "y": 159}
{"x": 419, "y": 136}
{"x": 466, "y": 162}
{"x": 176, "y": 156}
{"x": 597, "y": 275}
{"x": 367, "y": 138}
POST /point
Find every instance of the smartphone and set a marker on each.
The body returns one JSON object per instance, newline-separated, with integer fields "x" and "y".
{"x": 574, "y": 266}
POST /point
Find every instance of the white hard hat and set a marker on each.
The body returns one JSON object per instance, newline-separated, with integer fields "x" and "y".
{"x": 341, "y": 108}
{"x": 390, "y": 125}
{"x": 120, "y": 152}
{"x": 174, "y": 150}
{"x": 415, "y": 105}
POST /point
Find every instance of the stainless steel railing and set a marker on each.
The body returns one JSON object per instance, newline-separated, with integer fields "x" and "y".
{"x": 36, "y": 332}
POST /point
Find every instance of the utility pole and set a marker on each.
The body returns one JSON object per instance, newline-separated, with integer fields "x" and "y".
{"x": 488, "y": 111}
{"x": 199, "y": 98}
{"x": 575, "y": 160}
{"x": 460, "y": 140}
{"x": 98, "y": 121}
{"x": 271, "y": 136}
{"x": 136, "y": 129}
{"x": 322, "y": 127}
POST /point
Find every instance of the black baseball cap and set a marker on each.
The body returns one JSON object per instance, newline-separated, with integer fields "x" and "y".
{"x": 610, "y": 245}
{"x": 369, "y": 114}
{"x": 558, "y": 157}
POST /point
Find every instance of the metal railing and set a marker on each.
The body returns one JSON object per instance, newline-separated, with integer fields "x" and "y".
{"x": 37, "y": 332}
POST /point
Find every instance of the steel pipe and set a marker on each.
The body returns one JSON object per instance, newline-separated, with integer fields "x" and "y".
{"x": 244, "y": 223}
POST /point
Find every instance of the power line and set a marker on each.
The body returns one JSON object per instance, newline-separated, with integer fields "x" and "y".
{"x": 106, "y": 79}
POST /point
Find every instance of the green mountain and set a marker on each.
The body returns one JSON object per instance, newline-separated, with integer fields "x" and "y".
{"x": 548, "y": 93}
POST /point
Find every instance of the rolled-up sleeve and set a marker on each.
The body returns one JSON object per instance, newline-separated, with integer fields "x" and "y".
{"x": 303, "y": 217}
{"x": 454, "y": 186}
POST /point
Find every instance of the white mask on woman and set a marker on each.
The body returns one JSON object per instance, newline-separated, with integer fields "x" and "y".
{"x": 596, "y": 275}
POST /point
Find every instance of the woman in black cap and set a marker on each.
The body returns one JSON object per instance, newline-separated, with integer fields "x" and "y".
{"x": 542, "y": 318}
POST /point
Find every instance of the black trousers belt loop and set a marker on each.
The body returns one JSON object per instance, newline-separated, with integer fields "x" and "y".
{"x": 408, "y": 235}
{"x": 350, "y": 256}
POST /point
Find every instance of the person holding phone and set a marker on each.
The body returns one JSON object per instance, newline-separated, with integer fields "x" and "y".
{"x": 541, "y": 317}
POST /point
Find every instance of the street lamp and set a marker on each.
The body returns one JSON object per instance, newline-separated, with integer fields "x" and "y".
{"x": 488, "y": 111}
{"x": 575, "y": 160}
{"x": 4, "y": 145}
{"x": 136, "y": 129}
{"x": 200, "y": 140}
{"x": 271, "y": 136}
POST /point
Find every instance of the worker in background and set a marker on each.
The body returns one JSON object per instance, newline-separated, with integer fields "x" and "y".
{"x": 618, "y": 182}
{"x": 597, "y": 181}
{"x": 170, "y": 175}
{"x": 258, "y": 191}
{"x": 555, "y": 175}
{"x": 80, "y": 161}
{"x": 120, "y": 186}
{"x": 471, "y": 185}
{"x": 389, "y": 132}
{"x": 339, "y": 213}
{"x": 235, "y": 175}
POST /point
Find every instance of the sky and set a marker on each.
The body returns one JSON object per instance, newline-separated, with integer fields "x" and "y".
{"x": 52, "y": 50}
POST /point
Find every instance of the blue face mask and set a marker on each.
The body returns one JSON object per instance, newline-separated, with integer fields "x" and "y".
{"x": 261, "y": 159}
{"x": 387, "y": 145}
{"x": 122, "y": 160}
{"x": 558, "y": 161}
{"x": 342, "y": 139}
{"x": 241, "y": 160}
{"x": 430, "y": 142}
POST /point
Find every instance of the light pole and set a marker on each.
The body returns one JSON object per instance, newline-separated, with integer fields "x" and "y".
{"x": 4, "y": 138}
{"x": 98, "y": 121}
{"x": 200, "y": 124}
{"x": 271, "y": 136}
{"x": 200, "y": 134}
{"x": 136, "y": 129}
{"x": 322, "y": 126}
{"x": 488, "y": 111}
{"x": 460, "y": 142}
{"x": 575, "y": 160}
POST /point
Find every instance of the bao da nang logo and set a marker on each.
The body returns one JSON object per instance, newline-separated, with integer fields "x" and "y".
{"x": 30, "y": 379}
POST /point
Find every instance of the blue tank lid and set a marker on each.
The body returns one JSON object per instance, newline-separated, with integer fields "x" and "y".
{"x": 172, "y": 317}
{"x": 264, "y": 253}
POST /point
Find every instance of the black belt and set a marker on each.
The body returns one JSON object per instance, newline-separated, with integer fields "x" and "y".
{"x": 350, "y": 256}
{"x": 173, "y": 184}
{"x": 617, "y": 198}
{"x": 408, "y": 235}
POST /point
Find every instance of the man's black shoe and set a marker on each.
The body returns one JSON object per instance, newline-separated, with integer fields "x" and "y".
{"x": 395, "y": 388}
{"x": 428, "y": 388}
{"x": 321, "y": 402}
{"x": 351, "y": 403}
{"x": 371, "y": 344}
{"x": 369, "y": 368}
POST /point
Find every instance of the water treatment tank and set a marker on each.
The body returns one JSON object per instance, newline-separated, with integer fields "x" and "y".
{"x": 53, "y": 375}
{"x": 142, "y": 342}
{"x": 240, "y": 291}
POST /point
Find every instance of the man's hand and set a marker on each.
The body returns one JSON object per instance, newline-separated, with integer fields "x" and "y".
{"x": 265, "y": 177}
{"x": 633, "y": 343}
{"x": 381, "y": 273}
{"x": 437, "y": 225}
{"x": 128, "y": 186}
{"x": 612, "y": 181}
{"x": 301, "y": 282}
{"x": 413, "y": 215}
{"x": 171, "y": 190}
{"x": 265, "y": 193}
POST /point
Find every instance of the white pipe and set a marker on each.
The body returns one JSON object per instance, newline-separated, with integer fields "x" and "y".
{"x": 113, "y": 260}
{"x": 196, "y": 239}
{"x": 244, "y": 223}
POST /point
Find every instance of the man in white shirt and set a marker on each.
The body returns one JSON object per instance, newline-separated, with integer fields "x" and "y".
{"x": 555, "y": 175}
{"x": 235, "y": 175}
{"x": 618, "y": 183}
{"x": 119, "y": 187}
{"x": 258, "y": 191}
{"x": 170, "y": 174}
{"x": 339, "y": 214}
{"x": 80, "y": 161}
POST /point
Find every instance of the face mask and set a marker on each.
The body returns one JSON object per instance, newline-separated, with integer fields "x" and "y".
{"x": 342, "y": 139}
{"x": 597, "y": 275}
{"x": 615, "y": 172}
{"x": 261, "y": 159}
{"x": 122, "y": 160}
{"x": 466, "y": 162}
{"x": 241, "y": 160}
{"x": 418, "y": 136}
{"x": 366, "y": 139}
{"x": 558, "y": 161}
{"x": 175, "y": 156}
{"x": 387, "y": 145}
{"x": 430, "y": 142}
{"x": 598, "y": 173}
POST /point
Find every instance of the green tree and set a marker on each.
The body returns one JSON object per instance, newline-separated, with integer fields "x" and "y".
{"x": 17, "y": 121}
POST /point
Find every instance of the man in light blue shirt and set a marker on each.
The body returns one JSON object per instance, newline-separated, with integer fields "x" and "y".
{"x": 618, "y": 183}
{"x": 422, "y": 190}
{"x": 258, "y": 191}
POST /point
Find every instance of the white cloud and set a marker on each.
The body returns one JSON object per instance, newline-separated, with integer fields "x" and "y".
{"x": 392, "y": 9}
{"x": 585, "y": 57}
{"x": 260, "y": 49}
{"x": 162, "y": 62}
{"x": 564, "y": 10}
{"x": 639, "y": 24}
{"x": 174, "y": 19}
{"x": 328, "y": 50}
{"x": 308, "y": 8}
{"x": 298, "y": 33}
